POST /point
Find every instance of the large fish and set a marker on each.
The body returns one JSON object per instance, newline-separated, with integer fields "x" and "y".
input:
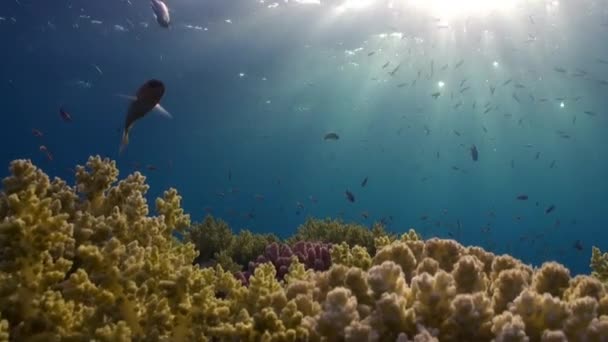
{"x": 147, "y": 98}
{"x": 161, "y": 12}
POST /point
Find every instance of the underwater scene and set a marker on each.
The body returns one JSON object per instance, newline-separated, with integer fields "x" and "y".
{"x": 304, "y": 170}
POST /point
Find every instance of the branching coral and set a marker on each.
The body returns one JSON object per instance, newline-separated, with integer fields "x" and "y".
{"x": 89, "y": 262}
{"x": 335, "y": 232}
{"x": 216, "y": 243}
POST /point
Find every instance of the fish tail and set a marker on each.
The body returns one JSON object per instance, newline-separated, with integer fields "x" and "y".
{"x": 124, "y": 142}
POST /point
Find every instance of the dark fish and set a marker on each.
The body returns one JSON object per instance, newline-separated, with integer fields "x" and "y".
{"x": 386, "y": 64}
{"x": 436, "y": 95}
{"x": 394, "y": 71}
{"x": 371, "y": 53}
{"x": 401, "y": 85}
{"x": 550, "y": 209}
{"x": 146, "y": 99}
{"x": 456, "y": 132}
{"x": 492, "y": 89}
{"x": 522, "y": 197}
{"x": 46, "y": 151}
{"x": 349, "y": 196}
{"x": 485, "y": 130}
{"x": 459, "y": 64}
{"x": 364, "y": 182}
{"x": 229, "y": 175}
{"x": 161, "y": 12}
{"x": 578, "y": 245}
{"x": 559, "y": 69}
{"x": 474, "y": 153}
{"x": 512, "y": 163}
{"x": 331, "y": 136}
{"x": 507, "y": 82}
{"x": 590, "y": 113}
{"x": 552, "y": 164}
{"x": 37, "y": 133}
{"x": 537, "y": 156}
{"x": 65, "y": 116}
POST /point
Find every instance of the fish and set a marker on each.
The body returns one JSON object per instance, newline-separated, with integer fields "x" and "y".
{"x": 147, "y": 98}
{"x": 512, "y": 163}
{"x": 552, "y": 165}
{"x": 492, "y": 89}
{"x": 537, "y": 156}
{"x": 394, "y": 71}
{"x": 349, "y": 196}
{"x": 331, "y": 136}
{"x": 65, "y": 116}
{"x": 559, "y": 69}
{"x": 602, "y": 61}
{"x": 97, "y": 68}
{"x": 590, "y": 113}
{"x": 37, "y": 133}
{"x": 550, "y": 209}
{"x": 459, "y": 64}
{"x": 161, "y": 13}
{"x": 364, "y": 182}
{"x": 371, "y": 53}
{"x": 507, "y": 82}
{"x": 365, "y": 215}
{"x": 386, "y": 64}
{"x": 456, "y": 133}
{"x": 436, "y": 95}
{"x": 522, "y": 197}
{"x": 401, "y": 85}
{"x": 46, "y": 151}
{"x": 578, "y": 245}
{"x": 485, "y": 130}
{"x": 474, "y": 153}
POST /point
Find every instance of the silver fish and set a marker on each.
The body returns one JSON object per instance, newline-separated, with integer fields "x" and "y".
{"x": 161, "y": 12}
{"x": 147, "y": 98}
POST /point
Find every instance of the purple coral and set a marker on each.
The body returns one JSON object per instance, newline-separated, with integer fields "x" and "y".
{"x": 314, "y": 255}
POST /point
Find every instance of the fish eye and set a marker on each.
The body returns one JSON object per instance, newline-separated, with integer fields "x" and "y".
{"x": 155, "y": 83}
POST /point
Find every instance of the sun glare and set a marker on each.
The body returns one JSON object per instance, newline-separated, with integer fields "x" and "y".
{"x": 456, "y": 8}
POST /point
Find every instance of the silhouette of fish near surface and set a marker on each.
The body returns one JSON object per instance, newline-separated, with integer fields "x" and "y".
{"x": 147, "y": 98}
{"x": 161, "y": 12}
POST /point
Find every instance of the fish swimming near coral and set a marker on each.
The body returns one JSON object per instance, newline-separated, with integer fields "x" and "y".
{"x": 349, "y": 196}
{"x": 331, "y": 136}
{"x": 474, "y": 153}
{"x": 147, "y": 98}
{"x": 65, "y": 116}
{"x": 161, "y": 13}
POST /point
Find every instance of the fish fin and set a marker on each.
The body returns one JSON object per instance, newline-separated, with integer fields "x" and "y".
{"x": 162, "y": 111}
{"x": 127, "y": 97}
{"x": 124, "y": 142}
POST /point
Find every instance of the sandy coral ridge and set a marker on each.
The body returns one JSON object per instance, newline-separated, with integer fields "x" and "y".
{"x": 88, "y": 262}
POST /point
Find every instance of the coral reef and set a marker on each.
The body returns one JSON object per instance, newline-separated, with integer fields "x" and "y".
{"x": 335, "y": 232}
{"x": 217, "y": 244}
{"x": 312, "y": 255}
{"x": 89, "y": 262}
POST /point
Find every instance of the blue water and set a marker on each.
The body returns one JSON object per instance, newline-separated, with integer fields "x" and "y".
{"x": 252, "y": 99}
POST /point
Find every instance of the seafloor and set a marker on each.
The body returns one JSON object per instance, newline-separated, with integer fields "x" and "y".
{"x": 89, "y": 263}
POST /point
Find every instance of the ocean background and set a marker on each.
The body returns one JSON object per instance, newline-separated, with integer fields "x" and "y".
{"x": 254, "y": 86}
